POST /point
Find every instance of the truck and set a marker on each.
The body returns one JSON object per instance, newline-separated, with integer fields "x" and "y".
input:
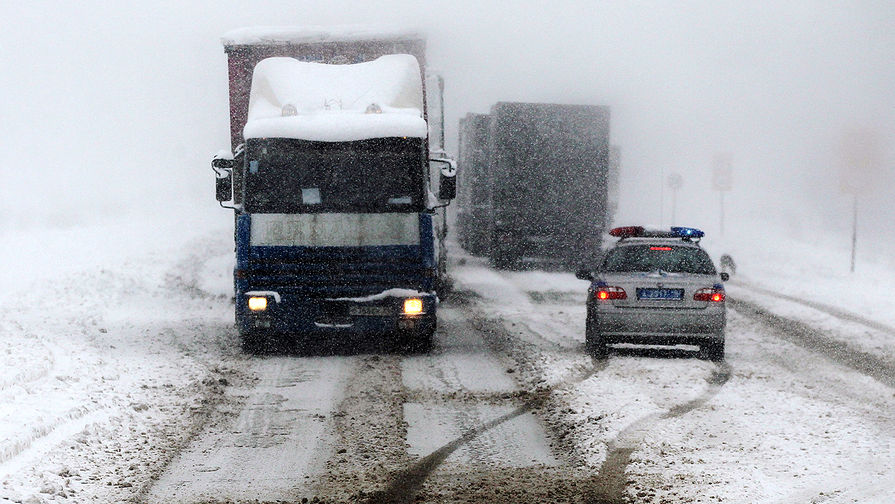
{"x": 535, "y": 183}
{"x": 474, "y": 200}
{"x": 335, "y": 186}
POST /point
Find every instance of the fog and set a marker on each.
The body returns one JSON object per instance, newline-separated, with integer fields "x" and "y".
{"x": 114, "y": 108}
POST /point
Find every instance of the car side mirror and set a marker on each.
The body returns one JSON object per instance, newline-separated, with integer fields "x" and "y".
{"x": 725, "y": 276}
{"x": 584, "y": 274}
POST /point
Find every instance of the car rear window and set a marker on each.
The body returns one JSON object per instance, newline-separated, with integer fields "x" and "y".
{"x": 670, "y": 258}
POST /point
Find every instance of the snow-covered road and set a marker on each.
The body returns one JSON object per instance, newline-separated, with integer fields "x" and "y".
{"x": 123, "y": 381}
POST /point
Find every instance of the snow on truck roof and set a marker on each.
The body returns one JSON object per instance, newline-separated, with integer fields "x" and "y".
{"x": 264, "y": 35}
{"x": 333, "y": 103}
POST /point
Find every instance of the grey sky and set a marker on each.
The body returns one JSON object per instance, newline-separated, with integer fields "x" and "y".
{"x": 114, "y": 103}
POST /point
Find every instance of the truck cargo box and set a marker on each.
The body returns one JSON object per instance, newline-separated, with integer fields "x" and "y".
{"x": 541, "y": 199}
{"x": 246, "y": 47}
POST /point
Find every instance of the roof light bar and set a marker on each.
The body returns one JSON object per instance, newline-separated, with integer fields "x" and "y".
{"x": 627, "y": 231}
{"x": 687, "y": 232}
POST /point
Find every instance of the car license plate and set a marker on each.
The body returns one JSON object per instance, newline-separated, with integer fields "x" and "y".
{"x": 660, "y": 294}
{"x": 370, "y": 311}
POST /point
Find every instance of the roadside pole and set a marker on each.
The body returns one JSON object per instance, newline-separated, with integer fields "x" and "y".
{"x": 675, "y": 182}
{"x": 859, "y": 165}
{"x": 662, "y": 196}
{"x": 854, "y": 231}
{"x": 722, "y": 181}
{"x": 721, "y": 193}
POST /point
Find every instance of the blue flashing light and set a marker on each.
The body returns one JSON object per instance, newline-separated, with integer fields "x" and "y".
{"x": 687, "y": 232}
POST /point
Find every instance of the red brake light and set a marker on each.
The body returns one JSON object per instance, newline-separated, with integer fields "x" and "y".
{"x": 609, "y": 293}
{"x": 626, "y": 232}
{"x": 709, "y": 295}
{"x": 660, "y": 248}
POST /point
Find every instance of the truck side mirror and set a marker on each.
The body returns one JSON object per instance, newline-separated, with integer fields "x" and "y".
{"x": 447, "y": 182}
{"x": 223, "y": 174}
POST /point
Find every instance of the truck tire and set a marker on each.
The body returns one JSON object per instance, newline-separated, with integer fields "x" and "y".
{"x": 501, "y": 260}
{"x": 417, "y": 343}
{"x": 593, "y": 342}
{"x": 251, "y": 343}
{"x": 713, "y": 351}
{"x": 261, "y": 344}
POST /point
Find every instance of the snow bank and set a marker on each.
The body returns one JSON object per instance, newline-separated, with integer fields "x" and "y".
{"x": 331, "y": 103}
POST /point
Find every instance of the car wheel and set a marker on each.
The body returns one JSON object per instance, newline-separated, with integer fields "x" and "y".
{"x": 593, "y": 342}
{"x": 713, "y": 351}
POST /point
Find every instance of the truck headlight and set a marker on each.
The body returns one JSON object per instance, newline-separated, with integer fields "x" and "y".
{"x": 257, "y": 304}
{"x": 413, "y": 306}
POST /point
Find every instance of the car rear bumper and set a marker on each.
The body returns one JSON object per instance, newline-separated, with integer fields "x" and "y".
{"x": 659, "y": 327}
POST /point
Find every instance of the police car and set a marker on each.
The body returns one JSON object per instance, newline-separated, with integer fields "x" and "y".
{"x": 656, "y": 287}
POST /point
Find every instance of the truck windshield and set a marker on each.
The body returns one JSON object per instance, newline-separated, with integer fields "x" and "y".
{"x": 300, "y": 176}
{"x": 672, "y": 259}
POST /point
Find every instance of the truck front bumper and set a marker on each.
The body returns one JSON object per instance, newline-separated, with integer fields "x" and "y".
{"x": 292, "y": 314}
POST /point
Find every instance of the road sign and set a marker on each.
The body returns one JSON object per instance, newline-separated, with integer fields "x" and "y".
{"x": 722, "y": 173}
{"x": 675, "y": 181}
{"x": 859, "y": 161}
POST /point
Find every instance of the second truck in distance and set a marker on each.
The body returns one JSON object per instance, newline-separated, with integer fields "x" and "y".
{"x": 534, "y": 184}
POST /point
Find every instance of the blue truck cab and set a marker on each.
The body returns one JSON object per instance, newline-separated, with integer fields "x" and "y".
{"x": 336, "y": 196}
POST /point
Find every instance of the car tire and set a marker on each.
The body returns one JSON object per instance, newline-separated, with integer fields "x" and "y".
{"x": 593, "y": 342}
{"x": 713, "y": 351}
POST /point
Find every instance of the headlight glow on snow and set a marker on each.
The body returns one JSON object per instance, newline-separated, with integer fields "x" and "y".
{"x": 413, "y": 306}
{"x": 257, "y": 303}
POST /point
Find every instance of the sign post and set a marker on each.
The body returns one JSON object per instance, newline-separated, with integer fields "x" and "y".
{"x": 859, "y": 162}
{"x": 722, "y": 180}
{"x": 675, "y": 182}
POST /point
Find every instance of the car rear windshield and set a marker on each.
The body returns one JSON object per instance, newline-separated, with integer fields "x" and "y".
{"x": 670, "y": 258}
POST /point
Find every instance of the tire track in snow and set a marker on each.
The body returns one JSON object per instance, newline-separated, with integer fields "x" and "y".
{"x": 822, "y": 307}
{"x": 814, "y": 340}
{"x": 406, "y": 484}
{"x": 31, "y": 374}
{"x": 45, "y": 437}
{"x": 608, "y": 486}
{"x": 45, "y": 427}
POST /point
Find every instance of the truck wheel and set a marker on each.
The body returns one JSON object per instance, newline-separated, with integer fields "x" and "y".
{"x": 593, "y": 342}
{"x": 251, "y": 343}
{"x": 418, "y": 343}
{"x": 500, "y": 260}
{"x": 713, "y": 351}
{"x": 261, "y": 344}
